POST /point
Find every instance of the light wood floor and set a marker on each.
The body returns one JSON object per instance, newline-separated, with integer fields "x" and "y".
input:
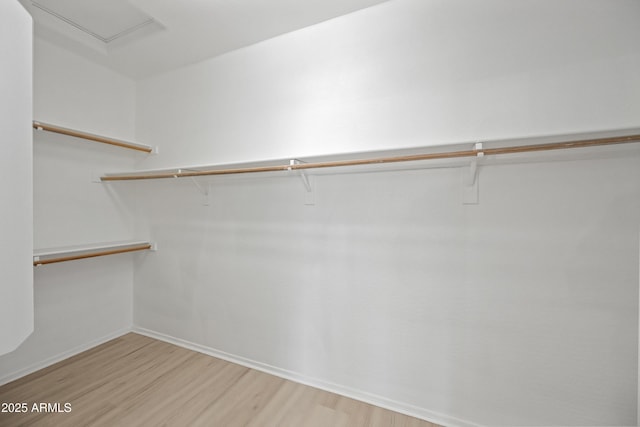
{"x": 138, "y": 381}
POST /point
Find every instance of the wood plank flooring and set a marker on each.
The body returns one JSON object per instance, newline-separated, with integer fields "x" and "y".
{"x": 138, "y": 381}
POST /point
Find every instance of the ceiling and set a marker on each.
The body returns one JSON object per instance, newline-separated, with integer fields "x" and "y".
{"x": 140, "y": 38}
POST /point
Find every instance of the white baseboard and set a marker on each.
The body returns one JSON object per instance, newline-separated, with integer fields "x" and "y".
{"x": 7, "y": 378}
{"x": 414, "y": 411}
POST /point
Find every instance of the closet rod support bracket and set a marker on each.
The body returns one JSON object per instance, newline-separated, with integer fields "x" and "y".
{"x": 204, "y": 190}
{"x": 473, "y": 165}
{"x": 470, "y": 187}
{"x": 303, "y": 176}
{"x": 306, "y": 181}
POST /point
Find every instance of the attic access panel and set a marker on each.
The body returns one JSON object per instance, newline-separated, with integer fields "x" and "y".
{"x": 105, "y": 20}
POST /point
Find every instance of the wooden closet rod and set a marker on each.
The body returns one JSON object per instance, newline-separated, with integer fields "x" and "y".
{"x": 91, "y": 137}
{"x": 93, "y": 254}
{"x": 381, "y": 160}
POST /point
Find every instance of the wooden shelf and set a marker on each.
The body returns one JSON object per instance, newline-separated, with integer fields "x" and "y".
{"x": 70, "y": 253}
{"x": 429, "y": 154}
{"x": 92, "y": 137}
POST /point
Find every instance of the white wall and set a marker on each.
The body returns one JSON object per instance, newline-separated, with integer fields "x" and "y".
{"x": 77, "y": 304}
{"x": 404, "y": 73}
{"x": 16, "y": 211}
{"x": 519, "y": 311}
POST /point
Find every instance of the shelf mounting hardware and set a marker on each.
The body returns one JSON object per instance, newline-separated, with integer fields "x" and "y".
{"x": 470, "y": 190}
{"x": 301, "y": 173}
{"x": 473, "y": 165}
{"x": 204, "y": 190}
{"x": 306, "y": 181}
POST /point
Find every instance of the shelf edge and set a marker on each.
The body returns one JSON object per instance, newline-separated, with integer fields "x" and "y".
{"x": 91, "y": 137}
{"x": 59, "y": 255}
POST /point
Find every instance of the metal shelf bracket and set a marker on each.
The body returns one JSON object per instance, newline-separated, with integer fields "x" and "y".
{"x": 470, "y": 187}
{"x": 306, "y": 181}
{"x": 204, "y": 190}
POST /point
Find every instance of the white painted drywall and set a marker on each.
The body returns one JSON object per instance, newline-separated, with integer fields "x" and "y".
{"x": 69, "y": 208}
{"x": 519, "y": 311}
{"x": 78, "y": 303}
{"x": 403, "y": 73}
{"x": 16, "y": 229}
